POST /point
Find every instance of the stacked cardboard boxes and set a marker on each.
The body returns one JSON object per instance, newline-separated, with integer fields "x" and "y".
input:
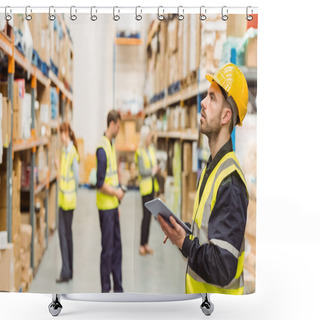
{"x": 21, "y": 109}
{"x": 5, "y": 119}
{"x": 189, "y": 181}
{"x": 173, "y": 54}
{"x": 213, "y": 35}
{"x": 25, "y": 255}
{"x": 12, "y": 252}
{"x": 7, "y": 282}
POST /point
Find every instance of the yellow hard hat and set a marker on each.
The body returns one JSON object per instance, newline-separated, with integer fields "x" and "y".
{"x": 233, "y": 81}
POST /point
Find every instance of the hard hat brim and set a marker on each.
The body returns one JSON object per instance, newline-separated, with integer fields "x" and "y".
{"x": 209, "y": 77}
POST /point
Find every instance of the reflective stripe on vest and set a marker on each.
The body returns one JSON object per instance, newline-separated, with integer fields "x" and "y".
{"x": 146, "y": 182}
{"x": 201, "y": 214}
{"x": 104, "y": 201}
{"x": 67, "y": 185}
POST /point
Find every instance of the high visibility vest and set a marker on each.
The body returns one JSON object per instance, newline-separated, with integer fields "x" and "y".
{"x": 201, "y": 215}
{"x": 105, "y": 201}
{"x": 145, "y": 183}
{"x": 67, "y": 186}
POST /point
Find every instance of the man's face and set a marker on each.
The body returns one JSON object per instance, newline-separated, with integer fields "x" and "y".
{"x": 211, "y": 111}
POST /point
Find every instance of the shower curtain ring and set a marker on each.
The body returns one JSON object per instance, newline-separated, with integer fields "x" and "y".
{"x": 203, "y": 13}
{"x": 138, "y": 16}
{"x": 93, "y": 17}
{"x": 52, "y": 16}
{"x": 116, "y": 17}
{"x": 180, "y": 16}
{"x": 7, "y": 15}
{"x": 160, "y": 16}
{"x": 73, "y": 16}
{"x": 224, "y": 17}
{"x": 27, "y": 15}
{"x": 248, "y": 16}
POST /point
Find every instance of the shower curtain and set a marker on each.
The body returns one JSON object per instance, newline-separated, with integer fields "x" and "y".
{"x": 118, "y": 80}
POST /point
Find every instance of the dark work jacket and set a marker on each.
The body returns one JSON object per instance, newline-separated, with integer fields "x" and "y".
{"x": 227, "y": 222}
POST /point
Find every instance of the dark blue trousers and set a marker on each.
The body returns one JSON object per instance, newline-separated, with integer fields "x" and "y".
{"x": 66, "y": 244}
{"x": 111, "y": 254}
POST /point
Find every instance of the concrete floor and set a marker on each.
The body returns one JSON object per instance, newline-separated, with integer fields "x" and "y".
{"x": 160, "y": 273}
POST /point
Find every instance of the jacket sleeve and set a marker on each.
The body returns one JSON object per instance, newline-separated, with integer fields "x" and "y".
{"x": 216, "y": 261}
{"x": 101, "y": 167}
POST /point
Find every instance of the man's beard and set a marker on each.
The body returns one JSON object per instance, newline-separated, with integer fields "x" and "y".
{"x": 211, "y": 130}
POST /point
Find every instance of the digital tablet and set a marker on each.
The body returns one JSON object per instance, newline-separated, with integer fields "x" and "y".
{"x": 156, "y": 207}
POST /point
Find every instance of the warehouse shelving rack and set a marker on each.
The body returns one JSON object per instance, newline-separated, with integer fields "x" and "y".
{"x": 195, "y": 91}
{"x": 37, "y": 78}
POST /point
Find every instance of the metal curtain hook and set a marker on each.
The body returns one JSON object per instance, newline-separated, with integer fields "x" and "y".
{"x": 7, "y": 15}
{"x": 52, "y": 16}
{"x": 138, "y": 16}
{"x": 116, "y": 17}
{"x": 224, "y": 17}
{"x": 203, "y": 13}
{"x": 180, "y": 16}
{"x": 93, "y": 17}
{"x": 160, "y": 16}
{"x": 73, "y": 16}
{"x": 27, "y": 15}
{"x": 248, "y": 16}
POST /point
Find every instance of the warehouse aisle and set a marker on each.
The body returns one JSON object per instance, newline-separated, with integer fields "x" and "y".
{"x": 162, "y": 272}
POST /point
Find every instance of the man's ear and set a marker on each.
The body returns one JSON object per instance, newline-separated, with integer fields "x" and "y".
{"x": 226, "y": 116}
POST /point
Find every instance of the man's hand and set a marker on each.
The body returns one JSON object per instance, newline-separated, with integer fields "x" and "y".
{"x": 175, "y": 234}
{"x": 119, "y": 194}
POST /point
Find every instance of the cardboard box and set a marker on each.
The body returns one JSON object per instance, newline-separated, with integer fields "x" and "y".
{"x": 236, "y": 25}
{"x": 17, "y": 276}
{"x": 189, "y": 183}
{"x": 26, "y": 277}
{"x": 193, "y": 120}
{"x": 251, "y": 53}
{"x": 3, "y": 192}
{"x": 7, "y": 269}
{"x": 17, "y": 247}
{"x": 6, "y": 121}
{"x": 25, "y": 234}
{"x": 25, "y": 257}
{"x": 25, "y": 218}
{"x": 187, "y": 156}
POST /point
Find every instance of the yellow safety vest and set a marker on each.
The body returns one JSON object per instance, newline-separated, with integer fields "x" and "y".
{"x": 146, "y": 182}
{"x": 105, "y": 201}
{"x": 201, "y": 215}
{"x": 67, "y": 187}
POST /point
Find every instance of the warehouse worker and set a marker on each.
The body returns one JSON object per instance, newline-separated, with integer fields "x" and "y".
{"x": 68, "y": 186}
{"x": 109, "y": 194}
{"x": 215, "y": 250}
{"x": 145, "y": 157}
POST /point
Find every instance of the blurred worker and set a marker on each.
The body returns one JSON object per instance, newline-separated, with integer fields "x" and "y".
{"x": 109, "y": 194}
{"x": 147, "y": 165}
{"x": 215, "y": 250}
{"x": 68, "y": 187}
